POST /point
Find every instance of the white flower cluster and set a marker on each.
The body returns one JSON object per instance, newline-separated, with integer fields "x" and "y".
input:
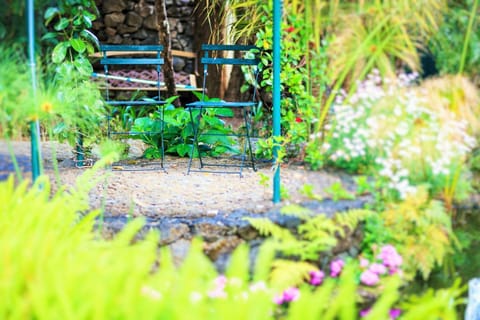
{"x": 387, "y": 125}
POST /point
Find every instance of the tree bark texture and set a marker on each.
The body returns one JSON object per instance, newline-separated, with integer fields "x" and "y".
{"x": 165, "y": 40}
{"x": 212, "y": 31}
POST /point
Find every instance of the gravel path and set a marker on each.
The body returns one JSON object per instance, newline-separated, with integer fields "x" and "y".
{"x": 172, "y": 192}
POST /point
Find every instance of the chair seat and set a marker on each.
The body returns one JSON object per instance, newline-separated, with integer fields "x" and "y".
{"x": 220, "y": 104}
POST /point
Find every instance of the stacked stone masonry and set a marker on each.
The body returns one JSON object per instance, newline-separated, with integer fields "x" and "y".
{"x": 134, "y": 22}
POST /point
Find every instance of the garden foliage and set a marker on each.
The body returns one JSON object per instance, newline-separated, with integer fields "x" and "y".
{"x": 56, "y": 266}
{"x": 395, "y": 131}
{"x": 178, "y": 131}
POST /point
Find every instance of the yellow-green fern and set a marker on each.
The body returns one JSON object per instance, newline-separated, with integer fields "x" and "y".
{"x": 423, "y": 230}
{"x": 287, "y": 273}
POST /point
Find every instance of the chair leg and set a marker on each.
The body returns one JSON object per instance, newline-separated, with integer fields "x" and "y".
{"x": 247, "y": 135}
{"x": 195, "y": 140}
{"x": 162, "y": 142}
{"x": 109, "y": 129}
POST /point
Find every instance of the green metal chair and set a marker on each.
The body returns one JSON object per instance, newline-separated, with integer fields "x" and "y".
{"x": 130, "y": 57}
{"x": 221, "y": 55}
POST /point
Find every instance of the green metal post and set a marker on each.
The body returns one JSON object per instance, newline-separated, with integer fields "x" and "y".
{"x": 34, "y": 125}
{"x": 277, "y": 19}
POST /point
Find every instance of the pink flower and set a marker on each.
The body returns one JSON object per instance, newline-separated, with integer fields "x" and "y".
{"x": 364, "y": 263}
{"x": 390, "y": 257}
{"x": 369, "y": 278}
{"x": 378, "y": 268}
{"x": 316, "y": 277}
{"x": 219, "y": 290}
{"x": 364, "y": 312}
{"x": 291, "y": 294}
{"x": 288, "y": 295}
{"x": 278, "y": 299}
{"x": 395, "y": 313}
{"x": 220, "y": 281}
{"x": 393, "y": 271}
{"x": 336, "y": 268}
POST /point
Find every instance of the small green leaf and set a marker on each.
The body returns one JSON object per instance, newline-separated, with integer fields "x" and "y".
{"x": 87, "y": 21}
{"x": 152, "y": 153}
{"x": 83, "y": 66}
{"x": 50, "y": 13}
{"x": 78, "y": 45}
{"x": 62, "y": 24}
{"x": 59, "y": 52}
{"x": 48, "y": 36}
{"x": 59, "y": 128}
{"x": 90, "y": 37}
{"x": 183, "y": 149}
{"x": 224, "y": 112}
{"x": 77, "y": 21}
{"x": 170, "y": 100}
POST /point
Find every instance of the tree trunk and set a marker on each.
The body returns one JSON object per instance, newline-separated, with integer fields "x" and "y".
{"x": 164, "y": 38}
{"x": 212, "y": 31}
{"x": 235, "y": 82}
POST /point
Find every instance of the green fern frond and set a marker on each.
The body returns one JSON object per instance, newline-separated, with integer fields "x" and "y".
{"x": 267, "y": 228}
{"x": 296, "y": 210}
{"x": 288, "y": 273}
{"x": 319, "y": 225}
{"x": 352, "y": 218}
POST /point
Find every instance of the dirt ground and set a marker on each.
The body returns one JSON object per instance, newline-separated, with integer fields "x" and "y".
{"x": 173, "y": 192}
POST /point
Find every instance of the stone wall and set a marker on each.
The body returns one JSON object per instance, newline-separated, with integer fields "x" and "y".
{"x": 223, "y": 232}
{"x": 134, "y": 22}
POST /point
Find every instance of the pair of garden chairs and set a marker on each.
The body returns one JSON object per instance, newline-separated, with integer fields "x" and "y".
{"x": 132, "y": 56}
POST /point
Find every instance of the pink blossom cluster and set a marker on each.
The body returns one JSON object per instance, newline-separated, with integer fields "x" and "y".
{"x": 390, "y": 263}
{"x": 219, "y": 288}
{"x": 288, "y": 295}
{"x": 316, "y": 277}
{"x": 393, "y": 313}
{"x": 336, "y": 267}
{"x": 391, "y": 259}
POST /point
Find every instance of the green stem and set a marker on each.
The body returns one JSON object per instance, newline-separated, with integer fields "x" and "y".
{"x": 467, "y": 36}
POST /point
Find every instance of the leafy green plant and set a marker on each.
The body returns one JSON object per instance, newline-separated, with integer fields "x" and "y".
{"x": 178, "y": 132}
{"x": 265, "y": 181}
{"x": 455, "y": 46}
{"x": 435, "y": 304}
{"x": 375, "y": 233}
{"x": 76, "y": 105}
{"x": 17, "y": 105}
{"x": 307, "y": 190}
{"x": 423, "y": 230}
{"x": 316, "y": 234}
{"x": 59, "y": 235}
{"x": 363, "y": 184}
{"x": 338, "y": 192}
{"x": 73, "y": 41}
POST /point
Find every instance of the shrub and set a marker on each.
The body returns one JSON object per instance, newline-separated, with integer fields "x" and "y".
{"x": 395, "y": 131}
